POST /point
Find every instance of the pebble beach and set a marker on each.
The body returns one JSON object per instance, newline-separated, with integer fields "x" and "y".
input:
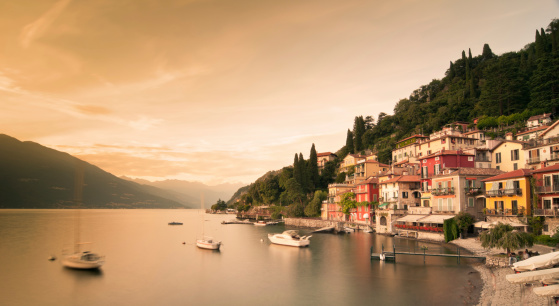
{"x": 496, "y": 289}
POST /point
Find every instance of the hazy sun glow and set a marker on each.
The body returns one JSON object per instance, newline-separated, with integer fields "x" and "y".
{"x": 223, "y": 91}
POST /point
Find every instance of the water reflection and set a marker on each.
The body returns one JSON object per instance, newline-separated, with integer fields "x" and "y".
{"x": 83, "y": 274}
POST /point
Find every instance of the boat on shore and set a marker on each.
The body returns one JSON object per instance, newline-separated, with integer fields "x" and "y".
{"x": 246, "y": 221}
{"x": 290, "y": 238}
{"x": 260, "y": 223}
{"x": 175, "y": 223}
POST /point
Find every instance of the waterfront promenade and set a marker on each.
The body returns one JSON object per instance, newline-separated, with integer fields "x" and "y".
{"x": 496, "y": 289}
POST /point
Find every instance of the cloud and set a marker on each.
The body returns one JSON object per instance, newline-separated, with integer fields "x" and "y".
{"x": 35, "y": 29}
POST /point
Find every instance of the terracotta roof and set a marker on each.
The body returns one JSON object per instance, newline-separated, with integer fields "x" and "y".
{"x": 371, "y": 180}
{"x": 508, "y": 141}
{"x": 325, "y": 154}
{"x": 508, "y": 175}
{"x": 537, "y": 117}
{"x": 539, "y": 128}
{"x": 547, "y": 169}
{"x": 474, "y": 171}
{"x": 474, "y": 131}
{"x": 549, "y": 128}
{"x": 403, "y": 179}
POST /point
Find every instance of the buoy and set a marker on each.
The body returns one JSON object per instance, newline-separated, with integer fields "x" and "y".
{"x": 261, "y": 240}
{"x": 51, "y": 258}
{"x": 381, "y": 257}
{"x": 183, "y": 242}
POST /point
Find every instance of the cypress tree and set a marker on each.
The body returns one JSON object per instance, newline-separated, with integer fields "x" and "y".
{"x": 313, "y": 167}
{"x": 358, "y": 131}
{"x": 487, "y": 53}
{"x": 349, "y": 142}
{"x": 470, "y": 54}
{"x": 451, "y": 72}
{"x": 296, "y": 169}
{"x": 305, "y": 175}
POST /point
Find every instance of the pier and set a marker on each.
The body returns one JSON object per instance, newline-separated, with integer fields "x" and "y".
{"x": 391, "y": 256}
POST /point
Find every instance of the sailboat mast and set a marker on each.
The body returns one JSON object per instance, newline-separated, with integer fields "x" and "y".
{"x": 78, "y": 195}
{"x": 202, "y": 212}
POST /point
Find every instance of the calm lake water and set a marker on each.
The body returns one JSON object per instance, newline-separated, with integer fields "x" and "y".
{"x": 148, "y": 264}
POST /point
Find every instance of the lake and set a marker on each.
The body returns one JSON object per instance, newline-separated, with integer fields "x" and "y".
{"x": 148, "y": 264}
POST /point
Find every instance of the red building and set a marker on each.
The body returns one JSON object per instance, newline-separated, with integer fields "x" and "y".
{"x": 547, "y": 188}
{"x": 366, "y": 191}
{"x": 433, "y": 164}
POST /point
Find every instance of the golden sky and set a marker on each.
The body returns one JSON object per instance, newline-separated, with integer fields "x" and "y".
{"x": 226, "y": 90}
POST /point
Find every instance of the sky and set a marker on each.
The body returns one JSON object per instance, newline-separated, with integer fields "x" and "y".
{"x": 223, "y": 91}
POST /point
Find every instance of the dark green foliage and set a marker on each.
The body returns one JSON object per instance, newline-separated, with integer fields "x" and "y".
{"x": 313, "y": 168}
{"x": 486, "y": 54}
{"x": 464, "y": 220}
{"x": 505, "y": 237}
{"x": 358, "y": 131}
{"x": 314, "y": 206}
{"x": 547, "y": 240}
{"x": 296, "y": 210}
{"x": 220, "y": 205}
{"x": 348, "y": 202}
{"x": 340, "y": 178}
{"x": 349, "y": 142}
{"x": 536, "y": 223}
{"x": 450, "y": 229}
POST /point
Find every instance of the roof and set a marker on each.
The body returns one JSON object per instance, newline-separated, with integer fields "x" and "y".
{"x": 403, "y": 179}
{"x": 447, "y": 152}
{"x": 414, "y": 136}
{"x": 547, "y": 169}
{"x": 539, "y": 128}
{"x": 538, "y": 117}
{"x": 549, "y": 128}
{"x": 473, "y": 171}
{"x": 508, "y": 141}
{"x": 371, "y": 180}
{"x": 509, "y": 175}
{"x": 474, "y": 131}
{"x": 325, "y": 154}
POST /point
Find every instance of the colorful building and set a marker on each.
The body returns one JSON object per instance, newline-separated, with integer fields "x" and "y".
{"x": 508, "y": 194}
{"x": 509, "y": 156}
{"x": 547, "y": 188}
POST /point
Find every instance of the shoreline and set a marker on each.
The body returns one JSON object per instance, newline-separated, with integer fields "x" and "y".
{"x": 496, "y": 290}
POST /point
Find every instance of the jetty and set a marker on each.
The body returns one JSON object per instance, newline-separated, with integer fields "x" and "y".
{"x": 327, "y": 229}
{"x": 422, "y": 251}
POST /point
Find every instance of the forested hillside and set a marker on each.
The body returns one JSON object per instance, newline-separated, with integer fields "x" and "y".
{"x": 506, "y": 88}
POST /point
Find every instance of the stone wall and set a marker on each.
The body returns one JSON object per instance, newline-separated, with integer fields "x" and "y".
{"x": 552, "y": 225}
{"x": 495, "y": 261}
{"x": 430, "y": 236}
{"x": 314, "y": 223}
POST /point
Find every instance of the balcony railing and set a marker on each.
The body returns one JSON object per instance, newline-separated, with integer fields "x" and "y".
{"x": 541, "y": 142}
{"x": 504, "y": 192}
{"x": 548, "y": 189}
{"x": 442, "y": 191}
{"x": 472, "y": 191}
{"x": 534, "y": 160}
{"x": 551, "y": 212}
{"x": 505, "y": 212}
{"x": 482, "y": 159}
{"x": 554, "y": 156}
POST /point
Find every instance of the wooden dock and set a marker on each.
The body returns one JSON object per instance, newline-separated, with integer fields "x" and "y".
{"x": 391, "y": 256}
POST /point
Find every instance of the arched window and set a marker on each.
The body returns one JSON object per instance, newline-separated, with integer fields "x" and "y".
{"x": 382, "y": 220}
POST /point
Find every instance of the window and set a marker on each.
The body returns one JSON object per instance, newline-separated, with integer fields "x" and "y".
{"x": 514, "y": 155}
{"x": 374, "y": 197}
{"x": 498, "y": 167}
{"x": 470, "y": 202}
{"x": 498, "y": 158}
{"x": 546, "y": 204}
{"x": 449, "y": 204}
{"x": 499, "y": 205}
{"x": 515, "y": 207}
{"x": 437, "y": 169}
{"x": 470, "y": 158}
{"x": 515, "y": 166}
{"x": 440, "y": 204}
{"x": 404, "y": 194}
{"x": 547, "y": 180}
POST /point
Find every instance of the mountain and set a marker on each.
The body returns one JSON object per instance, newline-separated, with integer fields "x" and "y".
{"x": 34, "y": 176}
{"x": 189, "y": 192}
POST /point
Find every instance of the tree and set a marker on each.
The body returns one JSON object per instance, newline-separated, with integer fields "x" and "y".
{"x": 294, "y": 192}
{"x": 348, "y": 202}
{"x": 464, "y": 220}
{"x": 220, "y": 205}
{"x": 296, "y": 169}
{"x": 505, "y": 237}
{"x": 358, "y": 131}
{"x": 313, "y": 208}
{"x": 349, "y": 142}
{"x": 313, "y": 167}
{"x": 487, "y": 53}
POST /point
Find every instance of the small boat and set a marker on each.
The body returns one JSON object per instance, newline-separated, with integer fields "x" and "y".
{"x": 290, "y": 238}
{"x": 349, "y": 230}
{"x": 175, "y": 223}
{"x": 84, "y": 260}
{"x": 208, "y": 243}
{"x": 260, "y": 223}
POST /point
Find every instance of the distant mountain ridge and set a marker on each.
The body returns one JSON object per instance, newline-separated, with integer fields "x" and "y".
{"x": 34, "y": 176}
{"x": 189, "y": 192}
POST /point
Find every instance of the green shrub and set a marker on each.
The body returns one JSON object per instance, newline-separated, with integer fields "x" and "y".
{"x": 547, "y": 240}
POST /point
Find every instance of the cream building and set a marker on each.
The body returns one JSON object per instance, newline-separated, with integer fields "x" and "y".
{"x": 508, "y": 156}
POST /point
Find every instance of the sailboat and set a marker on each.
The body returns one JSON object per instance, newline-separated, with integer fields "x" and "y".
{"x": 80, "y": 259}
{"x": 206, "y": 242}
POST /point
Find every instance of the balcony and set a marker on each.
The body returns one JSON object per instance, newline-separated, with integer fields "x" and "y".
{"x": 548, "y": 189}
{"x": 506, "y": 212}
{"x": 473, "y": 191}
{"x": 417, "y": 210}
{"x": 549, "y": 212}
{"x": 482, "y": 159}
{"x": 541, "y": 142}
{"x": 504, "y": 192}
{"x": 554, "y": 156}
{"x": 442, "y": 191}
{"x": 533, "y": 160}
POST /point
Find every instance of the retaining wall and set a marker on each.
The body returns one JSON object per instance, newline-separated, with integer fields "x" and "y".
{"x": 314, "y": 223}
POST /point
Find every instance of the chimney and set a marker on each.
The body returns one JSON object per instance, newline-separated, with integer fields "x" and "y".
{"x": 508, "y": 136}
{"x": 543, "y": 164}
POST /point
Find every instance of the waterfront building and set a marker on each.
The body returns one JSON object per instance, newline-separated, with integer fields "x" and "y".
{"x": 509, "y": 156}
{"x": 547, "y": 188}
{"x": 364, "y": 169}
{"x": 540, "y": 153}
{"x": 331, "y": 209}
{"x": 397, "y": 195}
{"x": 508, "y": 196}
{"x": 406, "y": 149}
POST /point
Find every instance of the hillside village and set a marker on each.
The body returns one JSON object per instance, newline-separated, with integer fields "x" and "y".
{"x": 435, "y": 177}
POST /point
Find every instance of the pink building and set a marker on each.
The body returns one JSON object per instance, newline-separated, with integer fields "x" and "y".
{"x": 433, "y": 164}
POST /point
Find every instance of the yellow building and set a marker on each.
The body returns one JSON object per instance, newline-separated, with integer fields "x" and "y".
{"x": 508, "y": 194}
{"x": 508, "y": 156}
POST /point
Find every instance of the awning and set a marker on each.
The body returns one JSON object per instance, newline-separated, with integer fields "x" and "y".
{"x": 411, "y": 218}
{"x": 532, "y": 276}
{"x": 552, "y": 290}
{"x": 366, "y": 215}
{"x": 383, "y": 204}
{"x": 483, "y": 224}
{"x": 438, "y": 219}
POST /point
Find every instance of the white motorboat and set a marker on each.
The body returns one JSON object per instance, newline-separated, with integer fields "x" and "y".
{"x": 260, "y": 223}
{"x": 349, "y": 230}
{"x": 80, "y": 259}
{"x": 205, "y": 242}
{"x": 290, "y": 238}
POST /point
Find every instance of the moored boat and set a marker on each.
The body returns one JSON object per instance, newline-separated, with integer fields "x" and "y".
{"x": 175, "y": 223}
{"x": 290, "y": 238}
{"x": 208, "y": 243}
{"x": 260, "y": 223}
